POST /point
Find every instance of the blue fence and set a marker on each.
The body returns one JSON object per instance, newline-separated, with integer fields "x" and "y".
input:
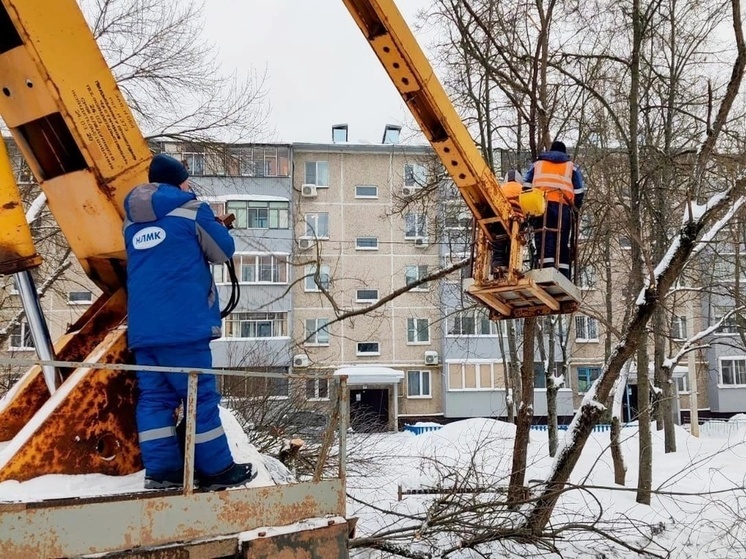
{"x": 419, "y": 429}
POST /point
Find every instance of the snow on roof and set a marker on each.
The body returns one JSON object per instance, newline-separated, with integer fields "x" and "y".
{"x": 366, "y": 374}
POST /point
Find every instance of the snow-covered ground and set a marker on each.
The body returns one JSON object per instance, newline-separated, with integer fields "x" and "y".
{"x": 697, "y": 510}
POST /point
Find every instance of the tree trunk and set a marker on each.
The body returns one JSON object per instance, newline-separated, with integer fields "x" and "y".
{"x": 516, "y": 489}
{"x": 507, "y": 377}
{"x": 644, "y": 416}
{"x": 617, "y": 456}
{"x": 515, "y": 370}
{"x": 552, "y": 388}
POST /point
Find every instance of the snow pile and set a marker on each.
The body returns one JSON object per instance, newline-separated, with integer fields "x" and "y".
{"x": 271, "y": 471}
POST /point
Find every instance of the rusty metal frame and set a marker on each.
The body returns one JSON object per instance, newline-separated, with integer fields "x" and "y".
{"x": 53, "y": 529}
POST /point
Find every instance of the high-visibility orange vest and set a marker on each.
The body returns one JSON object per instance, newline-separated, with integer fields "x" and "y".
{"x": 512, "y": 191}
{"x": 555, "y": 179}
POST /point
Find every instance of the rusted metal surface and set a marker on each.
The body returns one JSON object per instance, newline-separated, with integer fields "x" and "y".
{"x": 87, "y": 426}
{"x": 191, "y": 433}
{"x": 30, "y": 392}
{"x": 329, "y": 542}
{"x": 343, "y": 404}
{"x": 89, "y": 526}
{"x": 217, "y": 549}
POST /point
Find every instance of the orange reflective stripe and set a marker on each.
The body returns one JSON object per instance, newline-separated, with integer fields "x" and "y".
{"x": 556, "y": 179}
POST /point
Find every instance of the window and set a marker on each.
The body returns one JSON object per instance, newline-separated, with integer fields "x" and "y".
{"x": 259, "y": 161}
{"x": 256, "y": 325}
{"x": 682, "y": 383}
{"x": 20, "y": 337}
{"x": 255, "y": 268}
{"x": 418, "y": 331}
{"x": 470, "y": 323}
{"x": 587, "y": 278}
{"x": 584, "y": 226}
{"x": 586, "y": 329}
{"x": 625, "y": 243}
{"x": 317, "y": 172}
{"x": 317, "y": 225}
{"x": 317, "y": 389}
{"x": 415, "y": 175}
{"x": 254, "y": 214}
{"x": 586, "y": 376}
{"x": 729, "y": 325}
{"x": 457, "y": 217}
{"x": 733, "y": 371}
{"x": 317, "y": 331}
{"x": 339, "y": 133}
{"x": 366, "y": 295}
{"x": 473, "y": 376}
{"x": 418, "y": 384}
{"x": 678, "y": 327}
{"x": 194, "y": 162}
{"x": 363, "y": 191}
{"x": 324, "y": 279}
{"x": 217, "y": 208}
{"x": 368, "y": 348}
{"x": 415, "y": 226}
{"x": 366, "y": 243}
{"x": 79, "y": 297}
{"x": 414, "y": 274}
{"x": 730, "y": 262}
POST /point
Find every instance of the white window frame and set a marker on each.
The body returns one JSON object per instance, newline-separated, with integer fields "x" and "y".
{"x": 682, "y": 383}
{"x": 734, "y": 359}
{"x": 358, "y": 247}
{"x": 414, "y": 328}
{"x": 254, "y": 259}
{"x": 317, "y": 383}
{"x": 420, "y": 271}
{"x": 276, "y": 320}
{"x": 366, "y": 300}
{"x": 419, "y": 223}
{"x": 278, "y": 211}
{"x": 314, "y": 335}
{"x": 317, "y": 225}
{"x": 477, "y": 317}
{"x": 189, "y": 157}
{"x": 477, "y": 372}
{"x": 309, "y": 284}
{"x": 367, "y": 353}
{"x": 588, "y": 321}
{"x": 415, "y": 175}
{"x": 679, "y": 327}
{"x": 421, "y": 395}
{"x": 316, "y": 180}
{"x": 729, "y": 327}
{"x": 25, "y": 334}
{"x": 366, "y": 196}
{"x": 88, "y": 301}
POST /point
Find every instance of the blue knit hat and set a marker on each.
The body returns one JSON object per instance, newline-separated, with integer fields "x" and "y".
{"x": 166, "y": 169}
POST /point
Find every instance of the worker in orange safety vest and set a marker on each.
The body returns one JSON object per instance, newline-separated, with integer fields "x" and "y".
{"x": 511, "y": 188}
{"x": 555, "y": 174}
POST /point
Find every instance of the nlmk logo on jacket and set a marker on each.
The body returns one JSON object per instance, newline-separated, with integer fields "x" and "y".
{"x": 148, "y": 238}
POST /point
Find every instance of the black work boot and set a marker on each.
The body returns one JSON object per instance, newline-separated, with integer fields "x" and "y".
{"x": 166, "y": 480}
{"x": 235, "y": 475}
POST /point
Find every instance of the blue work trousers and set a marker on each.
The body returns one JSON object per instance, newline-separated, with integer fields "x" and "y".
{"x": 160, "y": 395}
{"x": 548, "y": 230}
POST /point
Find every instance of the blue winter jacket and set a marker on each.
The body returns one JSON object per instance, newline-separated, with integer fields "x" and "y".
{"x": 577, "y": 178}
{"x": 171, "y": 237}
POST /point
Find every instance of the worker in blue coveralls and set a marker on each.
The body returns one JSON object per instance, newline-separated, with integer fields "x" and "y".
{"x": 174, "y": 312}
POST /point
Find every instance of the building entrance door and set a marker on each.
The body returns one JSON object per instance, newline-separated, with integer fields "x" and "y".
{"x": 369, "y": 410}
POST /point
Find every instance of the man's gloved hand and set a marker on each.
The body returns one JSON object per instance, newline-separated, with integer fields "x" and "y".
{"x": 226, "y": 219}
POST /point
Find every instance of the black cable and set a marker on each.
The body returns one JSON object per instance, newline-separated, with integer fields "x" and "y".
{"x": 235, "y": 290}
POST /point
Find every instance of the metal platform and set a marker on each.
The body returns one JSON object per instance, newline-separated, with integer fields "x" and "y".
{"x": 538, "y": 293}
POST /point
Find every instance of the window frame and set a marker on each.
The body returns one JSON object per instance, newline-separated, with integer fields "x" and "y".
{"x": 677, "y": 322}
{"x": 421, "y": 395}
{"x": 367, "y": 301}
{"x": 477, "y": 365}
{"x": 418, "y": 276}
{"x": 414, "y": 329}
{"x": 321, "y": 221}
{"x": 310, "y": 270}
{"x": 364, "y": 248}
{"x": 24, "y": 336}
{"x": 359, "y": 353}
{"x": 89, "y": 301}
{"x": 278, "y": 211}
{"x": 420, "y": 226}
{"x": 312, "y": 339}
{"x": 721, "y": 377}
{"x": 316, "y": 173}
{"x": 272, "y": 318}
{"x": 317, "y": 383}
{"x": 411, "y": 175}
{"x": 366, "y": 196}
{"x": 588, "y": 320}
{"x": 590, "y": 379}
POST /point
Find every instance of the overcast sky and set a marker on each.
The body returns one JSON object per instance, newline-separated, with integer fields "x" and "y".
{"x": 320, "y": 69}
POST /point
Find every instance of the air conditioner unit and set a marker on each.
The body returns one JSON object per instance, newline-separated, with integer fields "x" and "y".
{"x": 304, "y": 243}
{"x": 431, "y": 357}
{"x": 308, "y": 191}
{"x": 301, "y": 360}
{"x": 420, "y": 242}
{"x": 408, "y": 191}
